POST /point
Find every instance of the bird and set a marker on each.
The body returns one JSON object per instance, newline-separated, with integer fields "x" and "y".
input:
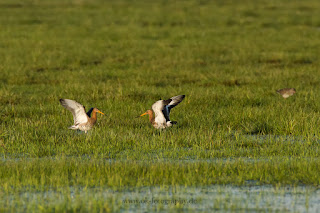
{"x": 159, "y": 116}
{"x": 286, "y": 92}
{"x": 82, "y": 121}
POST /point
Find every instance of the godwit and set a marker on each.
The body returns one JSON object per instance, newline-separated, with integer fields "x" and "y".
{"x": 286, "y": 92}
{"x": 82, "y": 120}
{"x": 161, "y": 109}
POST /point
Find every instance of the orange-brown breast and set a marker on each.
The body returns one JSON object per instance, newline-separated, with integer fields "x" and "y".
{"x": 151, "y": 116}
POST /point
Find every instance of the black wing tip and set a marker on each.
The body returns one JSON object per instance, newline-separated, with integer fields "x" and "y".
{"x": 180, "y": 97}
{"x": 166, "y": 102}
{"x": 61, "y": 100}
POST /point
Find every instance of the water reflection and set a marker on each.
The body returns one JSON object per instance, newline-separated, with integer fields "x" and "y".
{"x": 186, "y": 199}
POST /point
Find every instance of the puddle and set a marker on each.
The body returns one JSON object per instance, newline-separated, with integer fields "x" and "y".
{"x": 162, "y": 199}
{"x": 187, "y": 159}
{"x": 232, "y": 198}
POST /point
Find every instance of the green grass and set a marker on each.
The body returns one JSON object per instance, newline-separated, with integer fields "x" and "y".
{"x": 227, "y": 57}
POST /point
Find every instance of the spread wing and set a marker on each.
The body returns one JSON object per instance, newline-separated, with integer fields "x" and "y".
{"x": 157, "y": 108}
{"x": 77, "y": 110}
{"x": 174, "y": 102}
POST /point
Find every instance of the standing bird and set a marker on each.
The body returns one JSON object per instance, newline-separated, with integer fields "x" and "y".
{"x": 161, "y": 109}
{"x": 82, "y": 120}
{"x": 286, "y": 92}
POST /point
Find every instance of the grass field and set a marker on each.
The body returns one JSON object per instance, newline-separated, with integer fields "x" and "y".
{"x": 228, "y": 58}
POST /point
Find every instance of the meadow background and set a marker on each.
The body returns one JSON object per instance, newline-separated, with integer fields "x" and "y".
{"x": 228, "y": 58}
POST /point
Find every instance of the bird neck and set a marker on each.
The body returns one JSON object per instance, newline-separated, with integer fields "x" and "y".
{"x": 151, "y": 117}
{"x": 94, "y": 115}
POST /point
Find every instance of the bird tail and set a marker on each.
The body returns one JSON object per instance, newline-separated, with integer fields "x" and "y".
{"x": 170, "y": 123}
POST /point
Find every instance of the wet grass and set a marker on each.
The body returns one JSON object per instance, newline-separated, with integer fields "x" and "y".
{"x": 227, "y": 57}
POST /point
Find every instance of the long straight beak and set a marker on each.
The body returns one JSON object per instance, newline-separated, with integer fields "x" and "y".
{"x": 142, "y": 115}
{"x": 100, "y": 112}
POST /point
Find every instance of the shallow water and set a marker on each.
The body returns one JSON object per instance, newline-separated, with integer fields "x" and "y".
{"x": 224, "y": 198}
{"x": 186, "y": 199}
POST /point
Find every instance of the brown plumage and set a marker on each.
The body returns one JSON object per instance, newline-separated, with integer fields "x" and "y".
{"x": 82, "y": 120}
{"x": 286, "y": 92}
{"x": 151, "y": 116}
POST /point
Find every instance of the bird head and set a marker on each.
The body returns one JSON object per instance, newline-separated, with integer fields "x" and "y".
{"x": 97, "y": 110}
{"x": 149, "y": 111}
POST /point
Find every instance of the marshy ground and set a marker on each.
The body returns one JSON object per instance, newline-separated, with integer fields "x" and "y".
{"x": 238, "y": 145}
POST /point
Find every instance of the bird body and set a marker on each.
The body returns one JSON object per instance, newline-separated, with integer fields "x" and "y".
{"x": 159, "y": 115}
{"x": 286, "y": 92}
{"x": 82, "y": 120}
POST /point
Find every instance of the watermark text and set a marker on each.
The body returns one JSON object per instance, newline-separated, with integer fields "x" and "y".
{"x": 155, "y": 201}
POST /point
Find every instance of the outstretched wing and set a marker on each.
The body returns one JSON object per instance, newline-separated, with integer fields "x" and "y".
{"x": 174, "y": 102}
{"x": 77, "y": 110}
{"x": 157, "y": 108}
